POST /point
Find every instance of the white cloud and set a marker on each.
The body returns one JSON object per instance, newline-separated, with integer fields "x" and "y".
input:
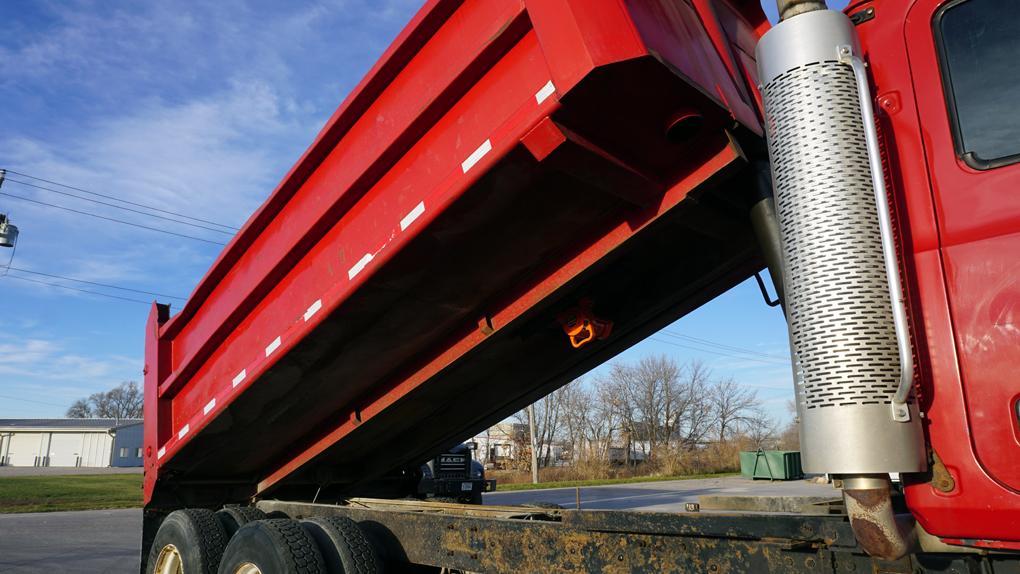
{"x": 43, "y": 369}
{"x": 16, "y": 354}
{"x": 195, "y": 107}
{"x": 215, "y": 158}
{"x": 201, "y": 157}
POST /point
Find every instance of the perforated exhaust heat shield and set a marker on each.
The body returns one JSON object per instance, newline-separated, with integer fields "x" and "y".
{"x": 843, "y": 297}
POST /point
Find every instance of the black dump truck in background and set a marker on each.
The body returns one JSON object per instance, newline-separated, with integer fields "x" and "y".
{"x": 455, "y": 476}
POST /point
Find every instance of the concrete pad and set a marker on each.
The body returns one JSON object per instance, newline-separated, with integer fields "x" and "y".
{"x": 666, "y": 496}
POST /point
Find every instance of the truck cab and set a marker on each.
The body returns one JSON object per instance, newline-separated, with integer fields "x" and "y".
{"x": 455, "y": 475}
{"x": 945, "y": 93}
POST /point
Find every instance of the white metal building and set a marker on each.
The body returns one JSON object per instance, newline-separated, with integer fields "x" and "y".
{"x": 498, "y": 445}
{"x": 71, "y": 442}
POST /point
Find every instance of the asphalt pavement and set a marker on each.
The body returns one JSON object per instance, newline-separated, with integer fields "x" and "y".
{"x": 87, "y": 542}
{"x": 107, "y": 541}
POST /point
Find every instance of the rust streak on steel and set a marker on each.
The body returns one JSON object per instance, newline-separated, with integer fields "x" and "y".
{"x": 521, "y": 539}
{"x": 873, "y": 519}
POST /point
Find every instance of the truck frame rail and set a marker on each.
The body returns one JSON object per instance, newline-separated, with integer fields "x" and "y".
{"x": 521, "y": 539}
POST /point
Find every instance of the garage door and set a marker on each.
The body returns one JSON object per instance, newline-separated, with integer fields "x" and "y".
{"x": 25, "y": 448}
{"x": 65, "y": 449}
{"x": 96, "y": 449}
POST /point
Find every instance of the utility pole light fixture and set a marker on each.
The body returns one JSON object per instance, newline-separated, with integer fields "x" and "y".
{"x": 8, "y": 232}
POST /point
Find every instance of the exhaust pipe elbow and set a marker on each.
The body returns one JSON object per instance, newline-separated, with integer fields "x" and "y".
{"x": 876, "y": 526}
{"x": 790, "y": 8}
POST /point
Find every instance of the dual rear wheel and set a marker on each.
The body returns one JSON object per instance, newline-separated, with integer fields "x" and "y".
{"x": 244, "y": 541}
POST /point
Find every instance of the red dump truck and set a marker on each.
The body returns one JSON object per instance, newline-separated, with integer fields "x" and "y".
{"x": 521, "y": 189}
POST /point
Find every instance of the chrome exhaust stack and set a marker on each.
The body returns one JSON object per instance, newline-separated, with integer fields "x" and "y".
{"x": 843, "y": 297}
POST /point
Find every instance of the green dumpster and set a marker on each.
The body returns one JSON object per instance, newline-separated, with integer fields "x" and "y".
{"x": 771, "y": 464}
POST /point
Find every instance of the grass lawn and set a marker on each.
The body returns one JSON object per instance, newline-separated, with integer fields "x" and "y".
{"x": 79, "y": 492}
{"x": 600, "y": 482}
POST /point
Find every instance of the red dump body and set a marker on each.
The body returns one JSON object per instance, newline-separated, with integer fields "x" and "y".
{"x": 399, "y": 290}
{"x": 509, "y": 160}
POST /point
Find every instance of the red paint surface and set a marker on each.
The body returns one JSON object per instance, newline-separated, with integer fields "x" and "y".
{"x": 464, "y": 73}
{"x": 960, "y": 236}
{"x": 460, "y": 75}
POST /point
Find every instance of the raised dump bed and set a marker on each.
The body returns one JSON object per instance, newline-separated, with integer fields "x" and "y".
{"x": 405, "y": 285}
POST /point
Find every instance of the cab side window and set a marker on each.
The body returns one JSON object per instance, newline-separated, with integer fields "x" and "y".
{"x": 979, "y": 51}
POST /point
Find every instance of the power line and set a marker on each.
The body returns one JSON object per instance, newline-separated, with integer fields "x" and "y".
{"x": 77, "y": 289}
{"x": 31, "y": 401}
{"x": 709, "y": 343}
{"x": 723, "y": 346}
{"x": 110, "y": 219}
{"x": 53, "y": 276}
{"x": 123, "y": 200}
{"x": 115, "y": 206}
{"x": 731, "y": 355}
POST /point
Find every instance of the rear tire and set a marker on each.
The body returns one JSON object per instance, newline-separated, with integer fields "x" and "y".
{"x": 344, "y": 545}
{"x": 192, "y": 538}
{"x": 275, "y": 546}
{"x": 234, "y": 517}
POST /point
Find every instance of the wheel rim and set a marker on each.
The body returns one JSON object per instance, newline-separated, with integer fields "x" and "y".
{"x": 247, "y": 568}
{"x": 169, "y": 561}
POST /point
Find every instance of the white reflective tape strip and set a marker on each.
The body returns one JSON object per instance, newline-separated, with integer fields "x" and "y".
{"x": 547, "y": 90}
{"x": 313, "y": 309}
{"x": 412, "y": 215}
{"x": 183, "y": 432}
{"x": 476, "y": 156}
{"x": 353, "y": 271}
{"x": 160, "y": 453}
{"x": 273, "y": 346}
{"x": 240, "y": 377}
{"x": 209, "y": 406}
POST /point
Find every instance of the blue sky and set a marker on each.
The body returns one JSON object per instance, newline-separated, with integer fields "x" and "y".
{"x": 200, "y": 108}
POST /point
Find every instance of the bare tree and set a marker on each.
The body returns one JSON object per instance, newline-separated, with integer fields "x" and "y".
{"x": 694, "y": 414}
{"x": 576, "y": 404}
{"x": 654, "y": 405}
{"x": 608, "y": 415}
{"x": 789, "y": 439}
{"x": 661, "y": 406}
{"x": 547, "y": 424}
{"x": 588, "y": 418}
{"x": 121, "y": 402}
{"x": 551, "y": 421}
{"x": 616, "y": 401}
{"x": 654, "y": 386}
{"x": 80, "y": 409}
{"x": 731, "y": 404}
{"x": 761, "y": 429}
{"x": 657, "y": 406}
